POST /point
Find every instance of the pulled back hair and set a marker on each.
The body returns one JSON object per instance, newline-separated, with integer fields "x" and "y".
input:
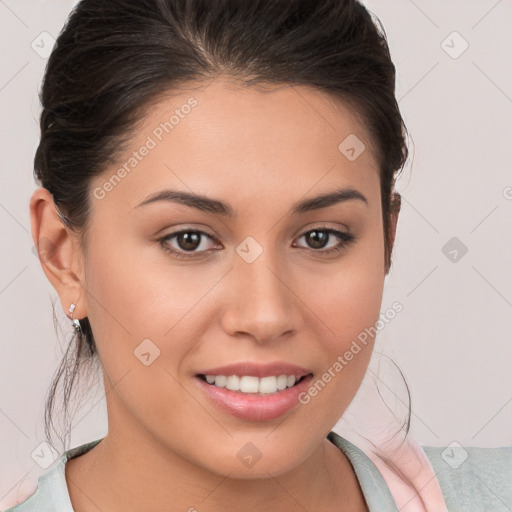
{"x": 114, "y": 59}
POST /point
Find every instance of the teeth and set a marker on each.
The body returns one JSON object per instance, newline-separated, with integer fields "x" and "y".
{"x": 220, "y": 381}
{"x": 232, "y": 382}
{"x": 250, "y": 384}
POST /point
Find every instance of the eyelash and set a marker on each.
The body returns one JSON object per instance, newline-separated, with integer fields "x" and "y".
{"x": 345, "y": 240}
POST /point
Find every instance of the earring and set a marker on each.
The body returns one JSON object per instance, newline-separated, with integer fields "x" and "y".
{"x": 75, "y": 322}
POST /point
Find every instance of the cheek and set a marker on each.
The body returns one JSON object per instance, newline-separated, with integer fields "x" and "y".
{"x": 133, "y": 306}
{"x": 140, "y": 302}
{"x": 132, "y": 294}
{"x": 350, "y": 296}
{"x": 348, "y": 305}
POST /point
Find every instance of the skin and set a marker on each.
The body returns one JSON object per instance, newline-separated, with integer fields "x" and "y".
{"x": 261, "y": 151}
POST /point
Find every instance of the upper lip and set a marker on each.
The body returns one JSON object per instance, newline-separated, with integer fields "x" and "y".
{"x": 257, "y": 369}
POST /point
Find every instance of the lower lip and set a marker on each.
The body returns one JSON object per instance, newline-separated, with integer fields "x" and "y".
{"x": 255, "y": 407}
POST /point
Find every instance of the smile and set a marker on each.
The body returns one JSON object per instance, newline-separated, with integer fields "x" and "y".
{"x": 252, "y": 384}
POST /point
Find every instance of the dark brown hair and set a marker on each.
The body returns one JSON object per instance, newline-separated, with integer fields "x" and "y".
{"x": 115, "y": 58}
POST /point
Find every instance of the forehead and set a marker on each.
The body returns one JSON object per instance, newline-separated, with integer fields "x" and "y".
{"x": 221, "y": 135}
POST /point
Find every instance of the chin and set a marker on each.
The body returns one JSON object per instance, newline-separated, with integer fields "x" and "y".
{"x": 247, "y": 461}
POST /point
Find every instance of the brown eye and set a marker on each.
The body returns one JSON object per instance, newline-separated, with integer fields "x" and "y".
{"x": 318, "y": 238}
{"x": 190, "y": 243}
{"x": 186, "y": 241}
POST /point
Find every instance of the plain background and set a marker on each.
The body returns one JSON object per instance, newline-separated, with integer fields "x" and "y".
{"x": 453, "y": 338}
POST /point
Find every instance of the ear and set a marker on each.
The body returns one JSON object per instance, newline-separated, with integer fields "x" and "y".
{"x": 396, "y": 203}
{"x": 59, "y": 252}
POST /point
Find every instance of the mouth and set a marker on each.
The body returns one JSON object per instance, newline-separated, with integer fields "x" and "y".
{"x": 252, "y": 385}
{"x": 254, "y": 398}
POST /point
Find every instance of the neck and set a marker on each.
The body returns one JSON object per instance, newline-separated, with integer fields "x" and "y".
{"x": 119, "y": 474}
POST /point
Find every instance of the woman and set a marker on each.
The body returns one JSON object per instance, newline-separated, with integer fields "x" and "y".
{"x": 217, "y": 215}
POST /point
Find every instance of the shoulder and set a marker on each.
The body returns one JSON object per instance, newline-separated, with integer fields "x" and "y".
{"x": 52, "y": 491}
{"x": 473, "y": 478}
{"x": 49, "y": 492}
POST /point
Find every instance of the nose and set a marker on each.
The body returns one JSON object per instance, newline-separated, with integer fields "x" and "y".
{"x": 261, "y": 302}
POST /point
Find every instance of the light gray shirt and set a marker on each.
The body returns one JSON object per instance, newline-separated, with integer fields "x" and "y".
{"x": 482, "y": 484}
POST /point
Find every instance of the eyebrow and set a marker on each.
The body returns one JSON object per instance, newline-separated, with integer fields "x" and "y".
{"x": 210, "y": 205}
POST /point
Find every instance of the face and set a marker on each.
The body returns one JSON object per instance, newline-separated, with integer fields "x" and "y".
{"x": 254, "y": 280}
